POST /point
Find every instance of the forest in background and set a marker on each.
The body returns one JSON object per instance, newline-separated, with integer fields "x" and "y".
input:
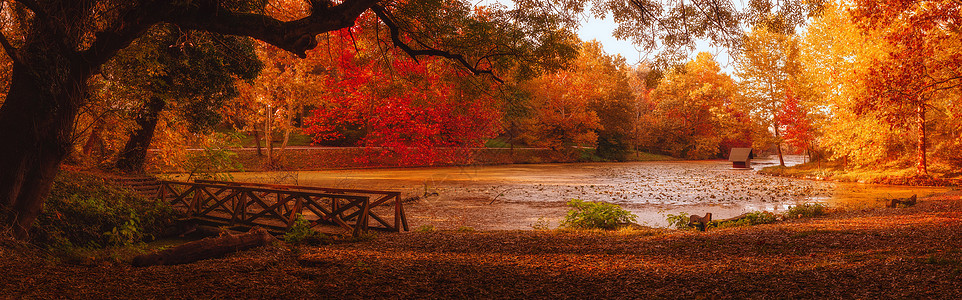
{"x": 846, "y": 87}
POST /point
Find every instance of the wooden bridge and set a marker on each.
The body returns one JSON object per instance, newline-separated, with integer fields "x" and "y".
{"x": 277, "y": 206}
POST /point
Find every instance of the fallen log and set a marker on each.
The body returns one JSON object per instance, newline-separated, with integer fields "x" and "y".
{"x": 903, "y": 202}
{"x": 208, "y": 231}
{"x": 206, "y": 248}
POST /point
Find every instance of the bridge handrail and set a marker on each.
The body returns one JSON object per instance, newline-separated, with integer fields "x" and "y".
{"x": 300, "y": 187}
{"x": 400, "y": 219}
{"x": 299, "y": 196}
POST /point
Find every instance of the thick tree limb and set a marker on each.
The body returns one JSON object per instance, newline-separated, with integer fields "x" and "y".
{"x": 295, "y": 36}
{"x": 388, "y": 20}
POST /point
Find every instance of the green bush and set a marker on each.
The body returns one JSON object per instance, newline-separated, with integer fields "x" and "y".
{"x": 302, "y": 233}
{"x": 806, "y": 210}
{"x": 86, "y": 211}
{"x": 596, "y": 215}
{"x": 679, "y": 221}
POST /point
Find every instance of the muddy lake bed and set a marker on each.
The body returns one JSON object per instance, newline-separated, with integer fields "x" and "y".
{"x": 513, "y": 197}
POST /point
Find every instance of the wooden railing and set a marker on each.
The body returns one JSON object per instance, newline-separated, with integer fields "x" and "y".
{"x": 277, "y": 206}
{"x": 380, "y": 198}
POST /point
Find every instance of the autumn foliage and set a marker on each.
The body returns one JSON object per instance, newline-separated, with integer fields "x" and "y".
{"x": 422, "y": 113}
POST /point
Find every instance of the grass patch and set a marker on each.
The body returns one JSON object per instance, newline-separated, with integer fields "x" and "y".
{"x": 496, "y": 143}
{"x": 645, "y": 156}
{"x": 295, "y": 139}
{"x": 750, "y": 219}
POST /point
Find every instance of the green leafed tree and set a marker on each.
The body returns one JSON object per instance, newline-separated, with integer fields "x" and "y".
{"x": 191, "y": 73}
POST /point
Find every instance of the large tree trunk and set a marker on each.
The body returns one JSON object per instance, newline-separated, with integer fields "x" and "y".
{"x": 778, "y": 146}
{"x": 268, "y": 137}
{"x": 35, "y": 125}
{"x": 920, "y": 122}
{"x": 134, "y": 155}
{"x": 257, "y": 141}
{"x": 94, "y": 140}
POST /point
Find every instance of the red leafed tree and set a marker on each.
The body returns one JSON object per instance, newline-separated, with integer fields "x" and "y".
{"x": 418, "y": 113}
{"x": 796, "y": 124}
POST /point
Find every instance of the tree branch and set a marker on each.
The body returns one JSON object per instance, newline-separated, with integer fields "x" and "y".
{"x": 388, "y": 20}
{"x": 295, "y": 36}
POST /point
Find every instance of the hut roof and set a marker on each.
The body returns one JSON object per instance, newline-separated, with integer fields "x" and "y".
{"x": 741, "y": 154}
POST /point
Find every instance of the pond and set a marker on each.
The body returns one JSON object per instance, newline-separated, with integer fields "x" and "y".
{"x": 523, "y": 196}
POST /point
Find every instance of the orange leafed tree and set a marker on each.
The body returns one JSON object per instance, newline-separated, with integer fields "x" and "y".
{"x": 923, "y": 68}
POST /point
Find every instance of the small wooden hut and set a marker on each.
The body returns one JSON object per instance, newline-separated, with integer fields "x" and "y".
{"x": 741, "y": 158}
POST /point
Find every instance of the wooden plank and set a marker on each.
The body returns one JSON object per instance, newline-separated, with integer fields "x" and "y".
{"x": 382, "y": 221}
{"x": 221, "y": 203}
{"x": 362, "y": 221}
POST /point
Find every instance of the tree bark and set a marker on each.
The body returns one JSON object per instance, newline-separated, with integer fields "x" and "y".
{"x": 778, "y": 146}
{"x": 134, "y": 155}
{"x": 257, "y": 142}
{"x": 268, "y": 137}
{"x": 920, "y": 122}
{"x": 36, "y": 122}
{"x": 94, "y": 140}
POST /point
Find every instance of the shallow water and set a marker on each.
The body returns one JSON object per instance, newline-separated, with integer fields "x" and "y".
{"x": 519, "y": 196}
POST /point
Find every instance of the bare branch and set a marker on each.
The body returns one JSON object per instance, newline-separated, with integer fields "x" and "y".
{"x": 388, "y": 20}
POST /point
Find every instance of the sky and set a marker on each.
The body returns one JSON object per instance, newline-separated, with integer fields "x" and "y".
{"x": 600, "y": 29}
{"x": 593, "y": 28}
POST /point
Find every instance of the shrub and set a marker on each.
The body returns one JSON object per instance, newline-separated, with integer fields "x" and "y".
{"x": 596, "y": 215}
{"x": 679, "y": 221}
{"x": 85, "y": 211}
{"x": 806, "y": 210}
{"x": 302, "y": 233}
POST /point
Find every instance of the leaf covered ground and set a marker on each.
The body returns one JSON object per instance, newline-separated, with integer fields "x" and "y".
{"x": 874, "y": 253}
